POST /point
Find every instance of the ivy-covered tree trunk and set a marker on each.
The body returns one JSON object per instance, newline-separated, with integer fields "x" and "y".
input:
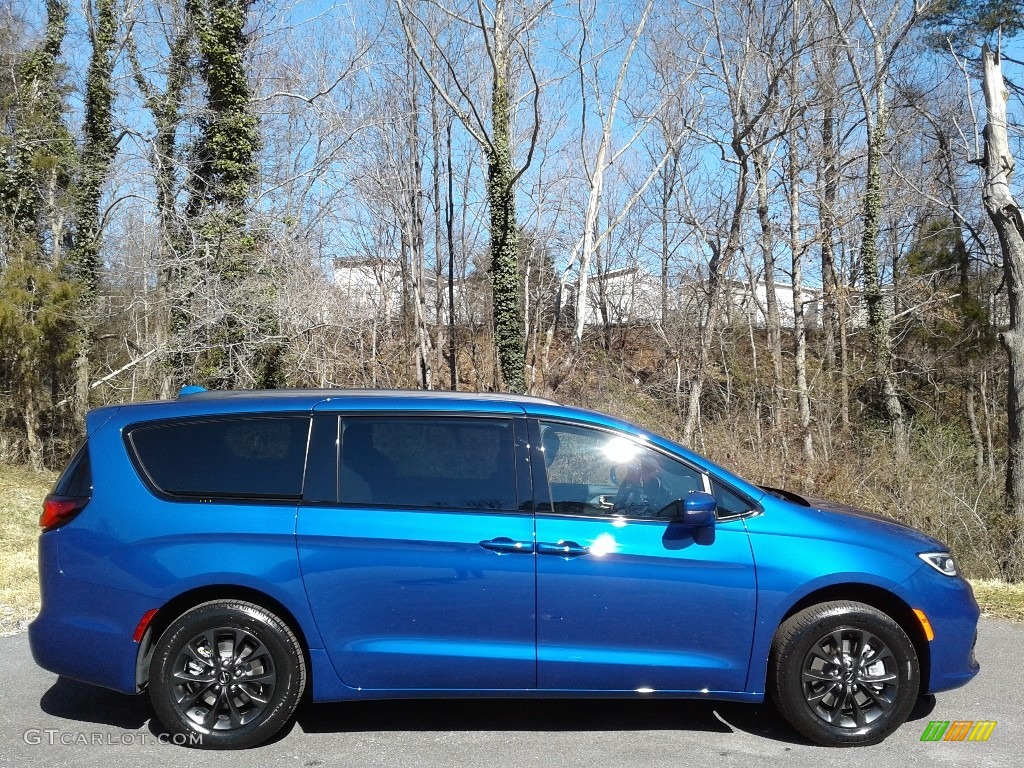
{"x": 508, "y": 313}
{"x": 879, "y": 338}
{"x": 237, "y": 342}
{"x": 97, "y": 154}
{"x": 37, "y": 157}
{"x": 165, "y": 104}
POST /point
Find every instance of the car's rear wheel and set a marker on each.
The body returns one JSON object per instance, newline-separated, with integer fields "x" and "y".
{"x": 843, "y": 673}
{"x": 226, "y": 674}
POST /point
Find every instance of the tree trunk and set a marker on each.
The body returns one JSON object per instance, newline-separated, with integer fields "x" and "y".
{"x": 718, "y": 268}
{"x": 797, "y": 249}
{"x": 879, "y": 339}
{"x": 165, "y": 107}
{"x": 33, "y": 427}
{"x": 773, "y": 322}
{"x": 602, "y": 160}
{"x": 989, "y": 418}
{"x": 1006, "y": 217}
{"x": 97, "y": 154}
{"x": 972, "y": 422}
{"x": 501, "y": 198}
{"x": 668, "y": 178}
{"x": 833, "y": 314}
{"x": 436, "y": 127}
{"x": 413, "y": 223}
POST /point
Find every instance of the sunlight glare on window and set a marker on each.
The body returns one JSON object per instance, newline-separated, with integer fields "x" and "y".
{"x": 619, "y": 450}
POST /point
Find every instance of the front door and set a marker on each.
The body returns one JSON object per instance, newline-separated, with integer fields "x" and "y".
{"x": 626, "y": 599}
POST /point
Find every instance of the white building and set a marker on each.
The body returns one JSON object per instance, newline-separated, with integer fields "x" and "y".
{"x": 369, "y": 287}
{"x": 373, "y": 288}
{"x": 634, "y": 295}
{"x": 750, "y": 303}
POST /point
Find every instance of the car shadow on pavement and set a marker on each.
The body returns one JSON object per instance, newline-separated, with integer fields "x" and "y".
{"x": 72, "y": 700}
{"x": 561, "y": 715}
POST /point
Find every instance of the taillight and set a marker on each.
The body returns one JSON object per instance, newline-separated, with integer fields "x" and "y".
{"x": 58, "y": 510}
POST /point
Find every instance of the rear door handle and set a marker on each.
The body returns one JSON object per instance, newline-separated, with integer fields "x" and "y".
{"x": 503, "y": 545}
{"x": 566, "y": 549}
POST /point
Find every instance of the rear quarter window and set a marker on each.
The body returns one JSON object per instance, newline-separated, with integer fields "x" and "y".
{"x": 76, "y": 479}
{"x": 233, "y": 457}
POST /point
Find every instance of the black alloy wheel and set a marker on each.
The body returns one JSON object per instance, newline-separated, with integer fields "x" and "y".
{"x": 226, "y": 674}
{"x": 843, "y": 673}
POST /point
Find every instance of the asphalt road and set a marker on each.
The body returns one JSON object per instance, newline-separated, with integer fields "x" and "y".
{"x": 51, "y": 721}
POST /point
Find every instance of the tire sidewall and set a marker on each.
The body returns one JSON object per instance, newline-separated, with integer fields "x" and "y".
{"x": 268, "y": 630}
{"x": 790, "y": 664}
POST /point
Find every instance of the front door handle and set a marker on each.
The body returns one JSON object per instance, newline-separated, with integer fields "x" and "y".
{"x": 566, "y": 549}
{"x": 503, "y": 545}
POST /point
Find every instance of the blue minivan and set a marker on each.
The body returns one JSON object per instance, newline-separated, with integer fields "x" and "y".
{"x": 231, "y": 552}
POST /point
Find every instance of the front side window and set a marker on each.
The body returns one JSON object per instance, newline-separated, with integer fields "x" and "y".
{"x": 729, "y": 504}
{"x": 593, "y": 472}
{"x": 428, "y": 461}
{"x": 232, "y": 457}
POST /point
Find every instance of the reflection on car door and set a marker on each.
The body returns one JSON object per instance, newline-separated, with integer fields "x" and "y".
{"x": 626, "y": 599}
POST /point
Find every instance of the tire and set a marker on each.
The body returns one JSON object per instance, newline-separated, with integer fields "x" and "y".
{"x": 843, "y": 674}
{"x": 226, "y": 674}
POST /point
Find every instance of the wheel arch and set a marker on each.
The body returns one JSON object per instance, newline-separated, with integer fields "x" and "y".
{"x": 883, "y": 600}
{"x": 178, "y": 605}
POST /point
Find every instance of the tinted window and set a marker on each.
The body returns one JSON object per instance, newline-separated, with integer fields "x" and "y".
{"x": 241, "y": 457}
{"x": 455, "y": 463}
{"x": 321, "y": 482}
{"x": 592, "y": 472}
{"x": 76, "y": 480}
{"x": 729, "y": 503}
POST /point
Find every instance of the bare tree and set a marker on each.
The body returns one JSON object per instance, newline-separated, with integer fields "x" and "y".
{"x": 589, "y": 67}
{"x": 797, "y": 245}
{"x": 745, "y": 67}
{"x": 880, "y": 30}
{"x": 1008, "y": 220}
{"x": 504, "y": 29}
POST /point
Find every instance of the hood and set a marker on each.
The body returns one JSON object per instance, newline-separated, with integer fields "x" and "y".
{"x": 845, "y": 510}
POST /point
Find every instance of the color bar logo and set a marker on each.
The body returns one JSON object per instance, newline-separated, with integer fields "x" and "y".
{"x": 958, "y": 730}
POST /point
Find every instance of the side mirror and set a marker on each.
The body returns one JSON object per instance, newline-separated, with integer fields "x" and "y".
{"x": 698, "y": 509}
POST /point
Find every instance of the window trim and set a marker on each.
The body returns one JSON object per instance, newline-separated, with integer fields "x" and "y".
{"x": 542, "y": 488}
{"x": 218, "y": 498}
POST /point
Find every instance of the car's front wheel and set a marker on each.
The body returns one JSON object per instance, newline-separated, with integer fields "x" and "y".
{"x": 226, "y": 674}
{"x": 843, "y": 673}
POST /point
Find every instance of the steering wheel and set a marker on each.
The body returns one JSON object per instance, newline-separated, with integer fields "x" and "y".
{"x": 638, "y": 495}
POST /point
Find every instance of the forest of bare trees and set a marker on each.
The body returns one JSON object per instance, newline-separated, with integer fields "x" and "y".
{"x": 778, "y": 231}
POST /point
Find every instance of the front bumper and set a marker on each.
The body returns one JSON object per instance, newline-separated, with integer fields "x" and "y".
{"x": 953, "y": 613}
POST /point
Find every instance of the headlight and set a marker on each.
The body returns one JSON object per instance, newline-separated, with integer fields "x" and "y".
{"x": 941, "y": 561}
